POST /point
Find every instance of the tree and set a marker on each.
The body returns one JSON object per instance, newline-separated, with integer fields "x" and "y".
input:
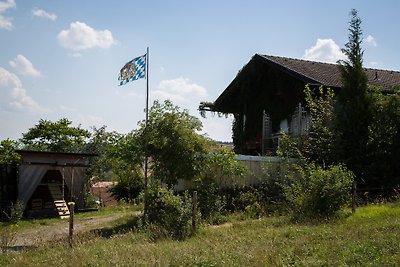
{"x": 7, "y": 152}
{"x": 101, "y": 143}
{"x": 384, "y": 140}
{"x": 318, "y": 144}
{"x": 127, "y": 156}
{"x": 352, "y": 113}
{"x": 57, "y": 136}
{"x": 174, "y": 147}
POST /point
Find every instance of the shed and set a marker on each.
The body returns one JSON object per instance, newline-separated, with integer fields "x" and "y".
{"x": 45, "y": 181}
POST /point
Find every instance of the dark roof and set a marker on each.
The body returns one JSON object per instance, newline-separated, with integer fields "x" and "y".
{"x": 31, "y": 157}
{"x": 50, "y": 153}
{"x": 308, "y": 72}
{"x": 329, "y": 74}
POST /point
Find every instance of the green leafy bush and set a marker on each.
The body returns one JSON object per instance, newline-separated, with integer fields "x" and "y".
{"x": 129, "y": 185}
{"x": 271, "y": 191}
{"x": 211, "y": 202}
{"x": 317, "y": 192}
{"x": 15, "y": 213}
{"x": 168, "y": 215}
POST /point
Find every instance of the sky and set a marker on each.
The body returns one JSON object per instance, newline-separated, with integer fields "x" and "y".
{"x": 61, "y": 59}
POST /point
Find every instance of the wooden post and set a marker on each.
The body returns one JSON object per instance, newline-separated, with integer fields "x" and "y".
{"x": 194, "y": 211}
{"x": 71, "y": 222}
{"x": 354, "y": 197}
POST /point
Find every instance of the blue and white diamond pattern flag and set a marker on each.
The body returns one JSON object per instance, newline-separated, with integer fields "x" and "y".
{"x": 133, "y": 70}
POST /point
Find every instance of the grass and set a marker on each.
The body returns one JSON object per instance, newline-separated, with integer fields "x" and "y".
{"x": 370, "y": 237}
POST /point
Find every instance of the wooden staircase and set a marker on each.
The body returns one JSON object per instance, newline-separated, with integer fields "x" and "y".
{"x": 59, "y": 202}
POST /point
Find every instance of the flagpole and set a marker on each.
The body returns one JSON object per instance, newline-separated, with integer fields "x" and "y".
{"x": 145, "y": 135}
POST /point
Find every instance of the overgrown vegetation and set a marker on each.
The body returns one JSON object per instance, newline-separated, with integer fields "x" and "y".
{"x": 8, "y": 154}
{"x": 168, "y": 215}
{"x": 9, "y": 228}
{"x": 313, "y": 188}
{"x": 367, "y": 238}
{"x": 176, "y": 150}
{"x": 314, "y": 192}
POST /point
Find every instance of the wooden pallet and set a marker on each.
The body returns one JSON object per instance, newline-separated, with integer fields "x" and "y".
{"x": 62, "y": 209}
{"x": 59, "y": 202}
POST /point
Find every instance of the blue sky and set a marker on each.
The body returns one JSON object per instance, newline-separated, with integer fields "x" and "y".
{"x": 62, "y": 58}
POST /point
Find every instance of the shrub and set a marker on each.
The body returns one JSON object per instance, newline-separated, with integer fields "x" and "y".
{"x": 318, "y": 192}
{"x": 270, "y": 190}
{"x": 15, "y": 213}
{"x": 129, "y": 185}
{"x": 168, "y": 215}
{"x": 211, "y": 202}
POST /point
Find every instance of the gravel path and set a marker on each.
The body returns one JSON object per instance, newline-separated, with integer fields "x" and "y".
{"x": 57, "y": 230}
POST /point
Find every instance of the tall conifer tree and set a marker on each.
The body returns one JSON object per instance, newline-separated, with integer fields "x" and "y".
{"x": 353, "y": 107}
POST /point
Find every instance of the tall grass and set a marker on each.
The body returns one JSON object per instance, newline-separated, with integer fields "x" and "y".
{"x": 370, "y": 237}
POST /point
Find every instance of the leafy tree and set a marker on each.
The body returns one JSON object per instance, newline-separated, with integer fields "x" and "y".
{"x": 57, "y": 136}
{"x": 101, "y": 143}
{"x": 318, "y": 144}
{"x": 384, "y": 140}
{"x": 127, "y": 157}
{"x": 7, "y": 152}
{"x": 353, "y": 109}
{"x": 175, "y": 148}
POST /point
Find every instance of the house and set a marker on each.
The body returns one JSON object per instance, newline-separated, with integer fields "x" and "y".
{"x": 266, "y": 97}
{"x": 44, "y": 182}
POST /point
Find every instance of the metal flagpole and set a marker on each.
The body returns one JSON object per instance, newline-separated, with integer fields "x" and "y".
{"x": 145, "y": 134}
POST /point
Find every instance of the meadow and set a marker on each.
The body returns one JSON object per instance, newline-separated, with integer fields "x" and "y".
{"x": 370, "y": 237}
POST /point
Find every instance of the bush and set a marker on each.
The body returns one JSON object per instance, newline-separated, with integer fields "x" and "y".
{"x": 168, "y": 215}
{"x": 16, "y": 211}
{"x": 128, "y": 186}
{"x": 318, "y": 192}
{"x": 271, "y": 191}
{"x": 211, "y": 202}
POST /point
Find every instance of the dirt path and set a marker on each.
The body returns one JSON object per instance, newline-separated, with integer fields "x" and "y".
{"x": 45, "y": 233}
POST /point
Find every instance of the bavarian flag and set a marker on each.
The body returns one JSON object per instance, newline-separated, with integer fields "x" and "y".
{"x": 133, "y": 70}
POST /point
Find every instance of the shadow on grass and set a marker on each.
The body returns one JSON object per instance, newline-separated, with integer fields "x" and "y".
{"x": 6, "y": 249}
{"x": 132, "y": 224}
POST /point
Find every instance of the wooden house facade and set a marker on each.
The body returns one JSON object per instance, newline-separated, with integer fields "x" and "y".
{"x": 267, "y": 97}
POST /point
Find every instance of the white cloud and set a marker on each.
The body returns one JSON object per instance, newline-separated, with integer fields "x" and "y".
{"x": 88, "y": 121}
{"x": 218, "y": 128}
{"x": 371, "y": 41}
{"x": 23, "y": 66}
{"x": 163, "y": 95}
{"x": 85, "y": 120}
{"x": 80, "y": 36}
{"x": 4, "y": 5}
{"x": 43, "y": 14}
{"x": 6, "y": 23}
{"x": 324, "y": 50}
{"x": 179, "y": 90}
{"x": 14, "y": 96}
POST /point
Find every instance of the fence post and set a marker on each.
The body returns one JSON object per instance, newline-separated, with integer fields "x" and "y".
{"x": 71, "y": 222}
{"x": 194, "y": 211}
{"x": 354, "y": 197}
